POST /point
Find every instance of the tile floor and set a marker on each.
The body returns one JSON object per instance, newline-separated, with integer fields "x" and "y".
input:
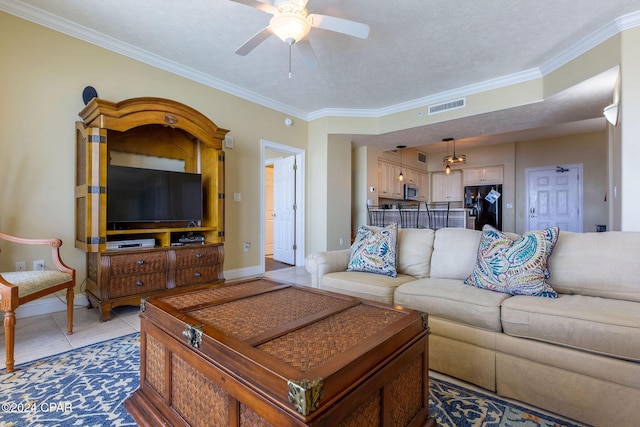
{"x": 45, "y": 335}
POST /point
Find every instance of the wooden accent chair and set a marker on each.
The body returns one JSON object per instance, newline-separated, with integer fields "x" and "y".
{"x": 20, "y": 287}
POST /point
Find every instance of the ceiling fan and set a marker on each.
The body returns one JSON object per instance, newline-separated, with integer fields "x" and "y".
{"x": 291, "y": 22}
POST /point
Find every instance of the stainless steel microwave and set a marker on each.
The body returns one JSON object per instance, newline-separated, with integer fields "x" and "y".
{"x": 410, "y": 192}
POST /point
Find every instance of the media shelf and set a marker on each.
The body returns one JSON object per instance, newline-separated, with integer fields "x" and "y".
{"x": 164, "y": 236}
{"x": 151, "y": 128}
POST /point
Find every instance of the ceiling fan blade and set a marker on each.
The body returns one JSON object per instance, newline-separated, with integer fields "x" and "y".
{"x": 266, "y": 5}
{"x": 339, "y": 25}
{"x": 254, "y": 41}
{"x": 309, "y": 57}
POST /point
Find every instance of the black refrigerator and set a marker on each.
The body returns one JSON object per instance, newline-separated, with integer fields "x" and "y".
{"x": 481, "y": 203}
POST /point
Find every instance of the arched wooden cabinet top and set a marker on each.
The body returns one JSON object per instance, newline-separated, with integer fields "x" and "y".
{"x": 131, "y": 113}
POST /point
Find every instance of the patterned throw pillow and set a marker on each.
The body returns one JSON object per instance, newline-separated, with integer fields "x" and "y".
{"x": 517, "y": 267}
{"x": 374, "y": 250}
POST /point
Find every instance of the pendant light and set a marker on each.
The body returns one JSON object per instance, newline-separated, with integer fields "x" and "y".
{"x": 449, "y": 159}
{"x": 400, "y": 148}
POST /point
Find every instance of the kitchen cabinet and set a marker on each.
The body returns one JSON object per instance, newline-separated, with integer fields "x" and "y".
{"x": 488, "y": 175}
{"x": 388, "y": 185}
{"x": 446, "y": 188}
{"x": 390, "y": 188}
{"x": 423, "y": 187}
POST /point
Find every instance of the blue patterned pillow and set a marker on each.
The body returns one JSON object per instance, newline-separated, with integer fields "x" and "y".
{"x": 517, "y": 267}
{"x": 374, "y": 250}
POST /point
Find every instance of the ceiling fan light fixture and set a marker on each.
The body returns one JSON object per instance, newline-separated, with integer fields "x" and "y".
{"x": 290, "y": 27}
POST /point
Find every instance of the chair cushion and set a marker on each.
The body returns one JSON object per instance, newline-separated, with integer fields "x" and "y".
{"x": 30, "y": 282}
{"x": 414, "y": 251}
{"x": 517, "y": 267}
{"x": 373, "y": 287}
{"x": 374, "y": 250}
{"x": 453, "y": 300}
{"x": 601, "y": 325}
{"x": 454, "y": 253}
{"x": 597, "y": 264}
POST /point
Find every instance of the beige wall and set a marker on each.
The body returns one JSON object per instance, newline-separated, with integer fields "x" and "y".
{"x": 588, "y": 149}
{"x": 628, "y": 193}
{"x": 44, "y": 72}
{"x": 42, "y": 77}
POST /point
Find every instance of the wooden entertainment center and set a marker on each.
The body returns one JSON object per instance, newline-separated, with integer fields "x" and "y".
{"x": 152, "y": 128}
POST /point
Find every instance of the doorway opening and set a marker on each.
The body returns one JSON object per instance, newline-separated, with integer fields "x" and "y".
{"x": 281, "y": 206}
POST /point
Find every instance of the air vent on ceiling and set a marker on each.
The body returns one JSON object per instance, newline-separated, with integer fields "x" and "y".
{"x": 422, "y": 157}
{"x": 447, "y": 106}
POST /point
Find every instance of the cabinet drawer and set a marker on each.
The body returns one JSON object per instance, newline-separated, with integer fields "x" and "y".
{"x": 191, "y": 275}
{"x": 196, "y": 256}
{"x": 131, "y": 285}
{"x": 137, "y": 263}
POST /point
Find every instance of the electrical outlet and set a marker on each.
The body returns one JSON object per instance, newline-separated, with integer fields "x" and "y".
{"x": 21, "y": 265}
{"x": 247, "y": 245}
{"x": 38, "y": 265}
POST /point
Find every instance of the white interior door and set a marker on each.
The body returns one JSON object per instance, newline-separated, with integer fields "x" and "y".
{"x": 284, "y": 200}
{"x": 554, "y": 198}
{"x": 268, "y": 210}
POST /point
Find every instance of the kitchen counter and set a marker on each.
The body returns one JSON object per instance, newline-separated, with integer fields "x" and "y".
{"x": 457, "y": 216}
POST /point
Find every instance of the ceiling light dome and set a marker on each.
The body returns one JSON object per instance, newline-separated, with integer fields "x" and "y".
{"x": 290, "y": 24}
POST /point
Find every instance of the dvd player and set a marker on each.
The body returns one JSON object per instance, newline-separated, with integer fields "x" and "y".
{"x": 131, "y": 244}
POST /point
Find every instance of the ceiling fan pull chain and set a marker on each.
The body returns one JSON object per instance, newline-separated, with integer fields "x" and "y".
{"x": 290, "y": 59}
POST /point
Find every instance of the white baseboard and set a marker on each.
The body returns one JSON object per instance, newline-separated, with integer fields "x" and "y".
{"x": 53, "y": 305}
{"x": 240, "y": 273}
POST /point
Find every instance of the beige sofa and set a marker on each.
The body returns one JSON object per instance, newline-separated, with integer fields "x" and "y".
{"x": 577, "y": 355}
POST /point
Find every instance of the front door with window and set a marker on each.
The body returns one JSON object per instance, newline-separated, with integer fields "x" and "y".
{"x": 554, "y": 198}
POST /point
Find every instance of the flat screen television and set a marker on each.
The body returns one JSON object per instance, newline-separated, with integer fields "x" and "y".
{"x": 150, "y": 195}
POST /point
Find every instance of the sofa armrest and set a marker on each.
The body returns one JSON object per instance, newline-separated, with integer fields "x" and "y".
{"x": 320, "y": 263}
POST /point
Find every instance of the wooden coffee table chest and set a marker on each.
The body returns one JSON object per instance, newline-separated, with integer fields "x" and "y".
{"x": 263, "y": 353}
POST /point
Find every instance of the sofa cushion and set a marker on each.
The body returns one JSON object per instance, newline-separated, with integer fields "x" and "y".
{"x": 601, "y": 325}
{"x": 453, "y": 300}
{"x": 374, "y": 250}
{"x": 515, "y": 267}
{"x": 597, "y": 264}
{"x": 415, "y": 246}
{"x": 454, "y": 253}
{"x": 373, "y": 287}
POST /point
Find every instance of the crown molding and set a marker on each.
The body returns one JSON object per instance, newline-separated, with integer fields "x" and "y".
{"x": 80, "y": 32}
{"x": 464, "y": 91}
{"x": 599, "y": 36}
{"x": 64, "y": 26}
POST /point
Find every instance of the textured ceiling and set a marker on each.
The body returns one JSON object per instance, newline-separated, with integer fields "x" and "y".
{"x": 416, "y": 49}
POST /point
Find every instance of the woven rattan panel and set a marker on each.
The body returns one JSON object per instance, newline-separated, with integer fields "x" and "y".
{"x": 365, "y": 415}
{"x": 132, "y": 285}
{"x": 200, "y": 401}
{"x": 203, "y": 273}
{"x": 406, "y": 393}
{"x": 81, "y": 220}
{"x": 194, "y": 298}
{"x": 199, "y": 256}
{"x": 248, "y": 418}
{"x": 253, "y": 316}
{"x": 138, "y": 263}
{"x": 155, "y": 362}
{"x": 312, "y": 346}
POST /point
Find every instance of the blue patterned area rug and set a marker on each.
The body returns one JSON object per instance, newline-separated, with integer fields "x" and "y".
{"x": 87, "y": 387}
